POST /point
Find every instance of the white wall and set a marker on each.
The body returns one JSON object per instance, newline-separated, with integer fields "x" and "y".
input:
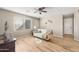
{"x": 76, "y": 24}
{"x": 56, "y": 15}
{"x": 56, "y": 24}
{"x": 34, "y": 22}
{"x": 10, "y": 17}
{"x": 5, "y": 16}
{"x": 53, "y": 14}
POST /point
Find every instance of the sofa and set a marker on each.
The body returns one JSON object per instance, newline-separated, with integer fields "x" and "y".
{"x": 42, "y": 33}
{"x": 39, "y": 33}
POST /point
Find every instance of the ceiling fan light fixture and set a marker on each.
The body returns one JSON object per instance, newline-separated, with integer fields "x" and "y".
{"x": 41, "y": 10}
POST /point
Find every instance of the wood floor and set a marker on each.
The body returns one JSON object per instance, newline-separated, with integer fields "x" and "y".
{"x": 33, "y": 44}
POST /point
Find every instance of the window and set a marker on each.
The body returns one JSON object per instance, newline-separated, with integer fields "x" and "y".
{"x": 19, "y": 24}
{"x": 27, "y": 24}
{"x": 22, "y": 24}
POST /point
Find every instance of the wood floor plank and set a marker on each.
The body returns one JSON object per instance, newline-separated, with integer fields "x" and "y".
{"x": 33, "y": 44}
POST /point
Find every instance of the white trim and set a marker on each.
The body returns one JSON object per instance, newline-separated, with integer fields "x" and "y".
{"x": 61, "y": 36}
{"x": 76, "y": 39}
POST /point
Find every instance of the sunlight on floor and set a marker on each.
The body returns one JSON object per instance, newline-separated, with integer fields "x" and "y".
{"x": 38, "y": 41}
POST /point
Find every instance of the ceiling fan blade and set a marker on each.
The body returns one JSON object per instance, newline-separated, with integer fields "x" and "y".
{"x": 42, "y": 7}
{"x": 36, "y": 11}
{"x": 44, "y": 11}
{"x": 40, "y": 10}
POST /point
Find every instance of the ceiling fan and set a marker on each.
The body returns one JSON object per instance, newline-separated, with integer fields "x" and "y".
{"x": 40, "y": 10}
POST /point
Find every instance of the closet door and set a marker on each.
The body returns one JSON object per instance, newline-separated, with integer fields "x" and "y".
{"x": 68, "y": 26}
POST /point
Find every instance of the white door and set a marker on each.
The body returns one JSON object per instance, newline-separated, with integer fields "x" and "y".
{"x": 68, "y": 25}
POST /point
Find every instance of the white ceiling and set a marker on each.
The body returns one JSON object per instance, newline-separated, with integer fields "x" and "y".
{"x": 25, "y": 10}
{"x": 51, "y": 10}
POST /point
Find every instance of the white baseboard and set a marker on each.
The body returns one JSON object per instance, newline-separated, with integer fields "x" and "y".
{"x": 61, "y": 36}
{"x": 76, "y": 39}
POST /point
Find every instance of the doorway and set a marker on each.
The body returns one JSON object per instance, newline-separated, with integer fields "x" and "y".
{"x": 68, "y": 25}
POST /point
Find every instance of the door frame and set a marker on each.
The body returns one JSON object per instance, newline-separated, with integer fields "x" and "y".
{"x": 69, "y": 16}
